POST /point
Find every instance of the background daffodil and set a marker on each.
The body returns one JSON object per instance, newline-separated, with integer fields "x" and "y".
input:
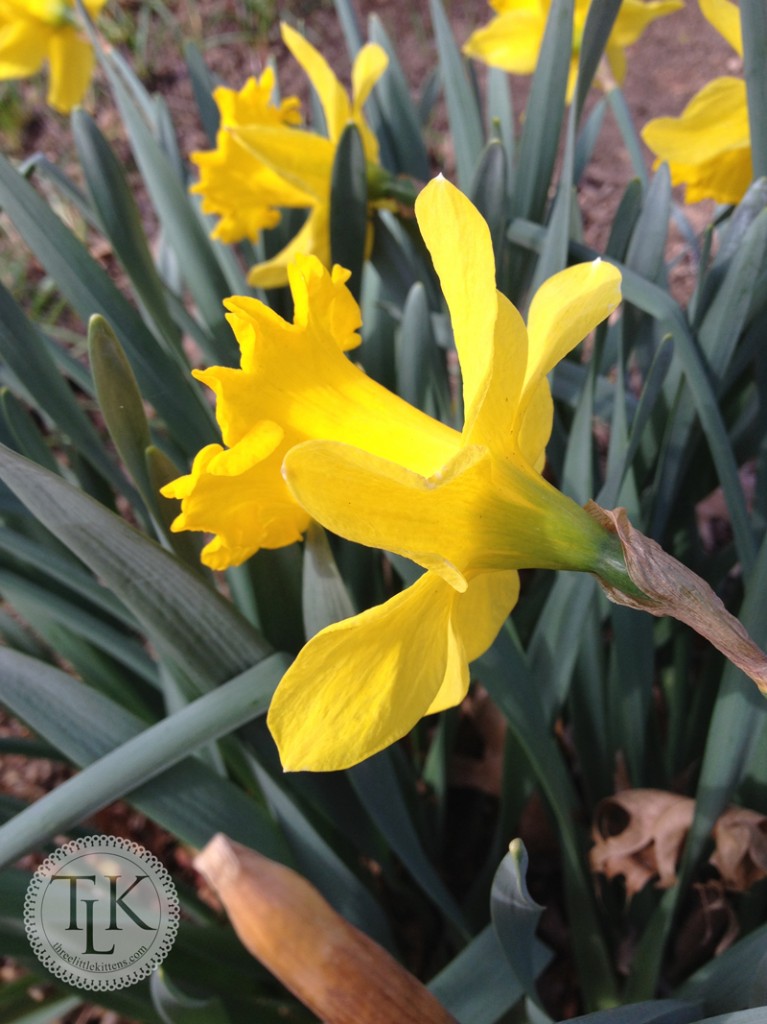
{"x": 708, "y": 147}
{"x": 512, "y": 40}
{"x": 33, "y": 32}
{"x": 261, "y": 163}
{"x": 471, "y": 506}
{"x": 234, "y": 184}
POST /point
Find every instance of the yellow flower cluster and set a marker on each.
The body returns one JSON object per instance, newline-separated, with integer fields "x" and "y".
{"x": 262, "y": 163}
{"x": 307, "y": 434}
{"x": 35, "y": 32}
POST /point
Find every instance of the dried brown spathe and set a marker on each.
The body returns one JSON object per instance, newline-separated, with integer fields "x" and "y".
{"x": 339, "y": 973}
{"x": 670, "y": 588}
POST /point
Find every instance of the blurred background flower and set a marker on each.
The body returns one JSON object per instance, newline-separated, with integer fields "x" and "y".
{"x": 512, "y": 40}
{"x": 36, "y": 32}
{"x": 708, "y": 147}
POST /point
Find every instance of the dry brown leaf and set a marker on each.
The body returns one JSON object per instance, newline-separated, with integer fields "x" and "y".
{"x": 339, "y": 973}
{"x": 740, "y": 856}
{"x": 670, "y": 588}
{"x": 638, "y": 833}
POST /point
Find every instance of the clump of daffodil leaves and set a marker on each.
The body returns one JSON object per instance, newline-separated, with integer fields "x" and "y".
{"x": 33, "y": 34}
{"x": 470, "y": 506}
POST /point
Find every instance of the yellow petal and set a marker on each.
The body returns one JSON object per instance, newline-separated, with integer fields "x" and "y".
{"x": 494, "y": 421}
{"x": 387, "y": 506}
{"x": 616, "y": 59}
{"x": 235, "y": 184}
{"x": 71, "y": 63}
{"x": 294, "y": 383}
{"x": 227, "y": 179}
{"x": 261, "y": 441}
{"x": 253, "y": 103}
{"x": 538, "y": 7}
{"x": 94, "y": 7}
{"x": 724, "y": 179}
{"x": 232, "y": 177}
{"x": 572, "y": 78}
{"x": 478, "y": 615}
{"x": 23, "y": 48}
{"x": 715, "y": 119}
{"x": 564, "y": 310}
{"x": 302, "y": 159}
{"x": 480, "y": 612}
{"x": 533, "y": 429}
{"x": 708, "y": 147}
{"x": 369, "y": 64}
{"x": 313, "y": 237}
{"x": 510, "y": 42}
{"x": 332, "y": 95}
{"x": 459, "y": 241}
{"x": 234, "y": 401}
{"x": 361, "y": 684}
{"x": 635, "y": 15}
{"x": 725, "y": 17}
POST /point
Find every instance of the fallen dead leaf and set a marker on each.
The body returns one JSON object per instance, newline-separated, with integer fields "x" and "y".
{"x": 740, "y": 855}
{"x": 639, "y": 834}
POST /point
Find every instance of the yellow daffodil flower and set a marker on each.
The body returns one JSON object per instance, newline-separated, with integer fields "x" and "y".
{"x": 261, "y": 163}
{"x": 309, "y": 434}
{"x": 35, "y": 31}
{"x": 708, "y": 147}
{"x": 512, "y": 40}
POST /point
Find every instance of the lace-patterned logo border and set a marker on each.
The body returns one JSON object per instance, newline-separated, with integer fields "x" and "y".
{"x": 101, "y": 913}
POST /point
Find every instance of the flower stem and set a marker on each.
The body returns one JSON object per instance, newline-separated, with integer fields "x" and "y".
{"x": 382, "y": 186}
{"x": 611, "y": 568}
